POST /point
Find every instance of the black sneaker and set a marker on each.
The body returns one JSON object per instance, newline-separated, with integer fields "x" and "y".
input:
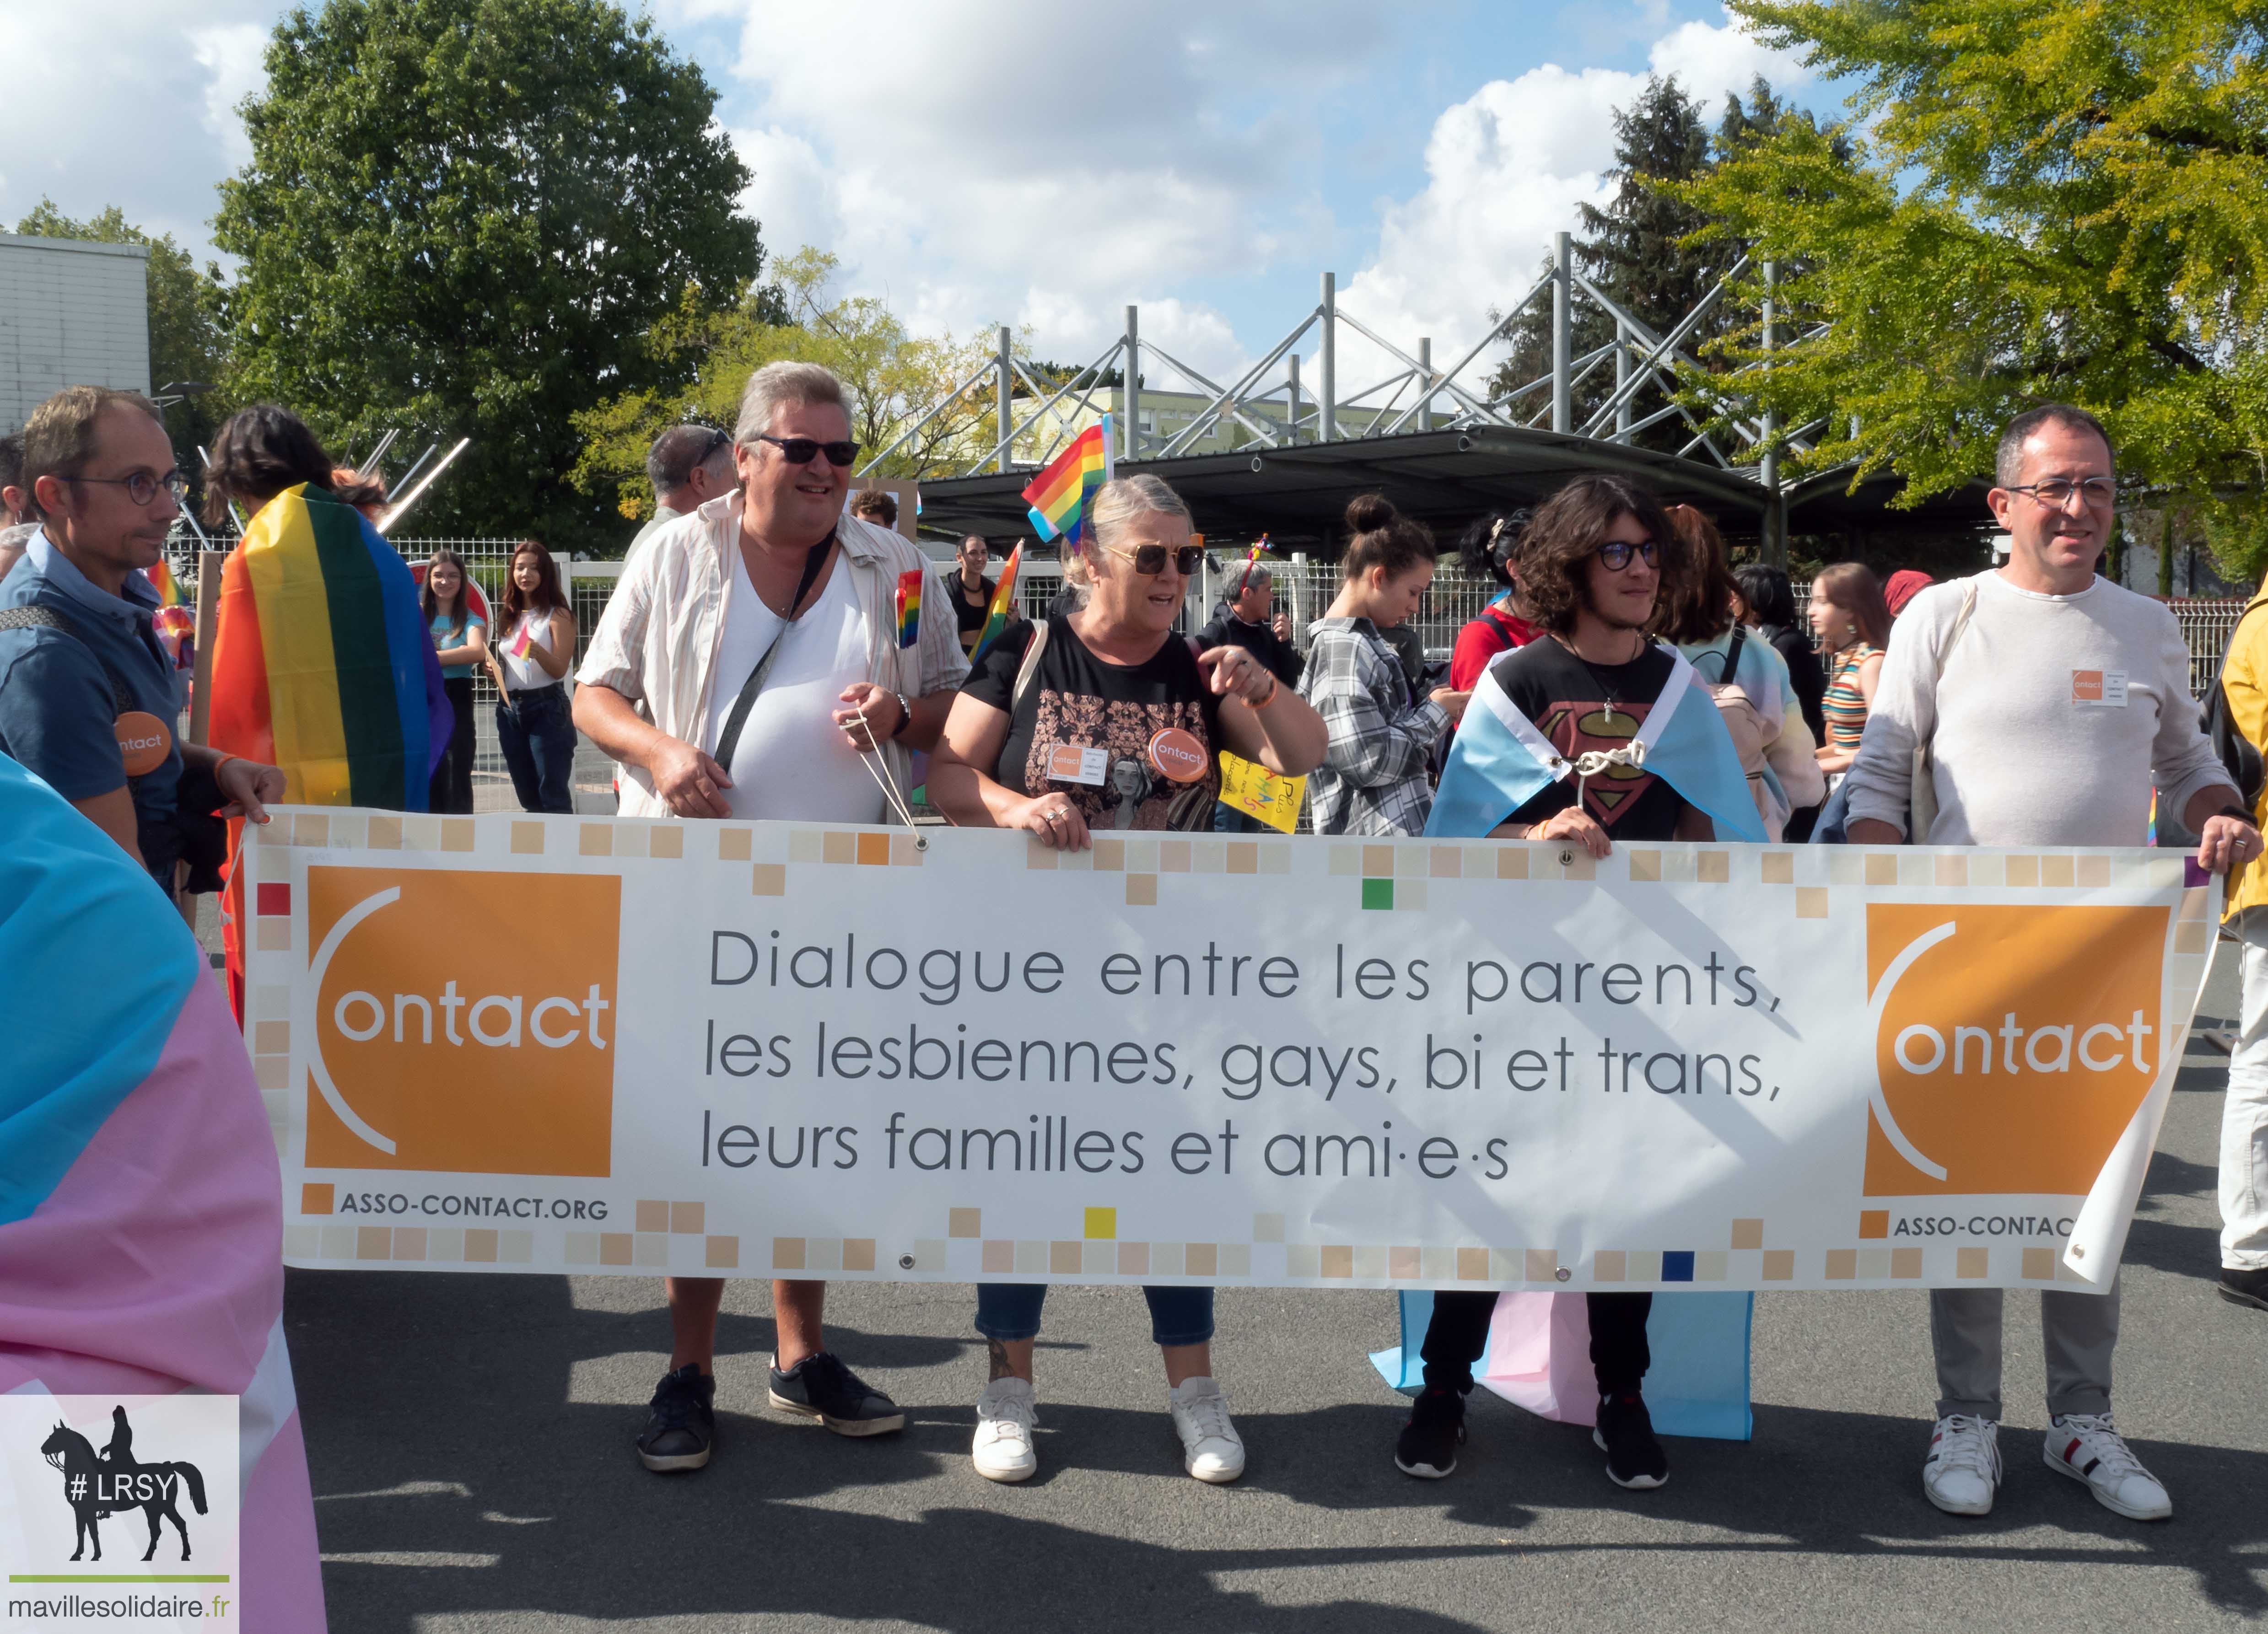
{"x": 2245, "y": 1288}
{"x": 820, "y": 1387}
{"x": 1428, "y": 1446}
{"x": 1625, "y": 1435}
{"x": 681, "y": 1426}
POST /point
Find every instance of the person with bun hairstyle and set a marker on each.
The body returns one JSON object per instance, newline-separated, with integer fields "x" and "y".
{"x": 1375, "y": 777}
{"x": 1106, "y": 719}
{"x": 1490, "y": 549}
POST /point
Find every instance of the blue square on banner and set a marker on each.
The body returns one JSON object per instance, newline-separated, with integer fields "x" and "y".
{"x": 1677, "y": 1267}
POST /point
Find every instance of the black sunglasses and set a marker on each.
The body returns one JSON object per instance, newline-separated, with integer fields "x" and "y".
{"x": 1616, "y": 553}
{"x": 799, "y": 450}
{"x": 1150, "y": 560}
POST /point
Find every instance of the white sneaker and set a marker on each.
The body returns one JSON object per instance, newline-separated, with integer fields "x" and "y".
{"x": 1211, "y": 1449}
{"x": 1004, "y": 1420}
{"x": 2086, "y": 1446}
{"x": 1963, "y": 1470}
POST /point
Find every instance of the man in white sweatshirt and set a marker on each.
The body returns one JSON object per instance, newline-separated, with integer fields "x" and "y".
{"x": 2058, "y": 709}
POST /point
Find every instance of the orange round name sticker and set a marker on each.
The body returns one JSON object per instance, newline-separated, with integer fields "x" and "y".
{"x": 144, "y": 742}
{"x": 1178, "y": 754}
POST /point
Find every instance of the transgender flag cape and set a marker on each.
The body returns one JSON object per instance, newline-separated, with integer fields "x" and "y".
{"x": 141, "y": 1207}
{"x": 1539, "y": 1343}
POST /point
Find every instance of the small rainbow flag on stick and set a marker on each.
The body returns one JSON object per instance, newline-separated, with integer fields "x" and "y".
{"x": 1004, "y": 596}
{"x": 174, "y": 624}
{"x": 1058, "y": 495}
{"x": 909, "y": 592}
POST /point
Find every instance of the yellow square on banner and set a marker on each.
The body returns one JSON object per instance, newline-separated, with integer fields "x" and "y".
{"x": 1101, "y": 1225}
{"x": 1258, "y": 793}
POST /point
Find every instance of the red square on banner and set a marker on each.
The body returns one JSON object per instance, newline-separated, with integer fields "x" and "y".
{"x": 272, "y": 901}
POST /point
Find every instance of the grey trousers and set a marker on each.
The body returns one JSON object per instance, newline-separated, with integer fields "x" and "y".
{"x": 2078, "y": 1330}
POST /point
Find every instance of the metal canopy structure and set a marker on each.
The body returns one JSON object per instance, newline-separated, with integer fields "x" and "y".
{"x": 1297, "y": 494}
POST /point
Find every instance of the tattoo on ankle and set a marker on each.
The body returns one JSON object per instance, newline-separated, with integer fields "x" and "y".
{"x": 997, "y": 1351}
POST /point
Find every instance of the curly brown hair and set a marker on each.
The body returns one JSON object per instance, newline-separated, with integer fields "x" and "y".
{"x": 1555, "y": 551}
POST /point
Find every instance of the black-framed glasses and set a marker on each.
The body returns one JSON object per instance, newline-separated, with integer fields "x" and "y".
{"x": 1150, "y": 560}
{"x": 142, "y": 487}
{"x": 799, "y": 450}
{"x": 2099, "y": 492}
{"x": 1616, "y": 553}
{"x": 716, "y": 440}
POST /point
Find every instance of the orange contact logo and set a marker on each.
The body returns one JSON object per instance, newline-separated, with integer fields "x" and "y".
{"x": 2012, "y": 1044}
{"x": 464, "y": 1022}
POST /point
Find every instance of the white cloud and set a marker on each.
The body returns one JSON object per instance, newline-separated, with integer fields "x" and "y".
{"x": 1505, "y": 169}
{"x": 127, "y": 102}
{"x": 954, "y": 172}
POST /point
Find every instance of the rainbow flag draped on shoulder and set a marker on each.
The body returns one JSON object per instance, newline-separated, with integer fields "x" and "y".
{"x": 322, "y": 662}
{"x": 141, "y": 1215}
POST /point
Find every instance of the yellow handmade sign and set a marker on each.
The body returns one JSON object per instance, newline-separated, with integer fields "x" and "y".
{"x": 1258, "y": 793}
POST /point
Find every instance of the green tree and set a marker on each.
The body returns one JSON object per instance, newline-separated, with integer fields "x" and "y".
{"x": 187, "y": 341}
{"x": 1643, "y": 250}
{"x": 466, "y": 217}
{"x": 894, "y": 378}
{"x": 2055, "y": 199}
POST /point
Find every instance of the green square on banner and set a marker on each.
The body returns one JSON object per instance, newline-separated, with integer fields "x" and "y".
{"x": 1378, "y": 893}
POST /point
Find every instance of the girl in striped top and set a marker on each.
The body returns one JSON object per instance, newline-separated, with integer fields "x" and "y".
{"x": 1852, "y": 626}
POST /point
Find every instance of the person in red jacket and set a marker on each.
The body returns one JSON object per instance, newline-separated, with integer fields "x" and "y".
{"x": 1489, "y": 550}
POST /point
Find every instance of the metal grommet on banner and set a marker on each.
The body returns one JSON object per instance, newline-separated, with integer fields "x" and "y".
{"x": 1565, "y": 859}
{"x": 1563, "y": 1273}
{"x": 905, "y": 1262}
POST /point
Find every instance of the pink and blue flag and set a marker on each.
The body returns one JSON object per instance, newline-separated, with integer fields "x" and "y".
{"x": 141, "y": 1205}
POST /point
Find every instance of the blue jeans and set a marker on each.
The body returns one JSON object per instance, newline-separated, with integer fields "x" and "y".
{"x": 1228, "y": 819}
{"x": 1011, "y": 1310}
{"x": 537, "y": 736}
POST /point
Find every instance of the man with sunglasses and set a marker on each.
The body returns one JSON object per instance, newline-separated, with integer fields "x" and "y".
{"x": 88, "y": 699}
{"x": 688, "y": 466}
{"x": 748, "y": 665}
{"x": 2052, "y": 703}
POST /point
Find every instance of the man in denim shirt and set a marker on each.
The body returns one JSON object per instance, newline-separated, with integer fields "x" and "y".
{"x": 99, "y": 467}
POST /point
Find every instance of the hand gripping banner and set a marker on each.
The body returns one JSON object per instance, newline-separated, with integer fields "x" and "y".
{"x": 556, "y": 1044}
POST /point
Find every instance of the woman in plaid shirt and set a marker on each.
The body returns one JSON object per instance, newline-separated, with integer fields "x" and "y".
{"x": 1374, "y": 780}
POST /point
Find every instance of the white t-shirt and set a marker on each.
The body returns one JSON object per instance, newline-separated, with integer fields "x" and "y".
{"x": 792, "y": 761}
{"x": 523, "y": 674}
{"x": 2052, "y": 720}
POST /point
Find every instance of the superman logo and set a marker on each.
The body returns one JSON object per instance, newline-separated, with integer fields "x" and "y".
{"x": 1575, "y": 728}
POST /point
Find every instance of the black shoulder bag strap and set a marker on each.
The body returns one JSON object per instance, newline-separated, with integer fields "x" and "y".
{"x": 729, "y": 740}
{"x": 46, "y": 618}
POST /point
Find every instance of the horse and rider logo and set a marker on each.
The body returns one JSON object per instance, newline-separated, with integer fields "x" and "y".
{"x": 99, "y": 1485}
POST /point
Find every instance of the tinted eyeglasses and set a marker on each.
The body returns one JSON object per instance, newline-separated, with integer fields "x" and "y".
{"x": 142, "y": 487}
{"x": 1150, "y": 560}
{"x": 1616, "y": 553}
{"x": 799, "y": 450}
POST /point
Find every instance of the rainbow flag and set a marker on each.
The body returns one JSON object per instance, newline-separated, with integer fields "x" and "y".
{"x": 173, "y": 623}
{"x": 321, "y": 663}
{"x": 910, "y": 594}
{"x": 1058, "y": 495}
{"x": 140, "y": 1218}
{"x": 1004, "y": 596}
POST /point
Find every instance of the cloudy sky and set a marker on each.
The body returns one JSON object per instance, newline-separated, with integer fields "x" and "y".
{"x": 1025, "y": 161}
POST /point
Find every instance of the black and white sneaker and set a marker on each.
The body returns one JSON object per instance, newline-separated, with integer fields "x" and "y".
{"x": 1625, "y": 1435}
{"x": 2245, "y": 1287}
{"x": 1428, "y": 1446}
{"x": 680, "y": 1426}
{"x": 820, "y": 1387}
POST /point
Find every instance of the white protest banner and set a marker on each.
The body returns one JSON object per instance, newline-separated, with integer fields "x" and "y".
{"x": 557, "y": 1044}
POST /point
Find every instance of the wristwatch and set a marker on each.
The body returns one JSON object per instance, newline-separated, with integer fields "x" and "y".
{"x": 905, "y": 716}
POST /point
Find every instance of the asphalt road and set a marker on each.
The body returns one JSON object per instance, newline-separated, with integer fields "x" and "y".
{"x": 469, "y": 1438}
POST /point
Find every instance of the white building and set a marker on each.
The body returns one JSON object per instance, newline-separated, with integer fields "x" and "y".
{"x": 72, "y": 312}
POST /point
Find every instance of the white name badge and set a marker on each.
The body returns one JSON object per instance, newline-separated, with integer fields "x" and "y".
{"x": 1067, "y": 763}
{"x": 2099, "y": 688}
